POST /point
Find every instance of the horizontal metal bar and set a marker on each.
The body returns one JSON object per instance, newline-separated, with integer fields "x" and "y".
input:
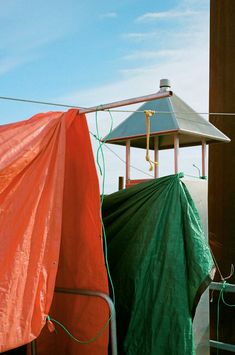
{"x": 135, "y": 100}
{"x": 81, "y": 292}
{"x": 222, "y": 346}
{"x": 218, "y": 285}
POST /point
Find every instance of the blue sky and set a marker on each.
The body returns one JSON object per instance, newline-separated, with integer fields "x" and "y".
{"x": 93, "y": 52}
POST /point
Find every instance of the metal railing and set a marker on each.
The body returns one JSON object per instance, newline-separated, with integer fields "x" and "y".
{"x": 106, "y": 298}
{"x": 218, "y": 344}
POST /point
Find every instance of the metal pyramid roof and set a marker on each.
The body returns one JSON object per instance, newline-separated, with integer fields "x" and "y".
{"x": 173, "y": 116}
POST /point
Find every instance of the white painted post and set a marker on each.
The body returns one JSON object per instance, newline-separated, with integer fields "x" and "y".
{"x": 204, "y": 153}
{"x": 176, "y": 153}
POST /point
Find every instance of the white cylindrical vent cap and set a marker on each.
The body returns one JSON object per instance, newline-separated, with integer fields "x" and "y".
{"x": 165, "y": 83}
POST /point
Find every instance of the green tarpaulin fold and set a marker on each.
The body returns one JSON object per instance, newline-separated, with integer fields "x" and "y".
{"x": 160, "y": 264}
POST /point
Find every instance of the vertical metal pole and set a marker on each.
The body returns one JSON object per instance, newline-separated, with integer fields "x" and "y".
{"x": 203, "y": 157}
{"x": 156, "y": 157}
{"x": 176, "y": 153}
{"x": 33, "y": 348}
{"x": 111, "y": 308}
{"x": 120, "y": 183}
{"x": 128, "y": 146}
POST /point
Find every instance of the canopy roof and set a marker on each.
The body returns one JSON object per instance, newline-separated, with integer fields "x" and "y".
{"x": 174, "y": 116}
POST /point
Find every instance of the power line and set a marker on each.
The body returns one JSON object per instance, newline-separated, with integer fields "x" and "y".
{"x": 113, "y": 110}
{"x": 118, "y": 156}
{"x": 177, "y": 112}
{"x": 38, "y": 102}
{"x": 133, "y": 167}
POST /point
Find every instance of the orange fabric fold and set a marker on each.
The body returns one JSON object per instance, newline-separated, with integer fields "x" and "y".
{"x": 50, "y": 233}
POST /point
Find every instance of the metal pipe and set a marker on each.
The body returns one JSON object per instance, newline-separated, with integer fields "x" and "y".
{"x": 33, "y": 348}
{"x": 222, "y": 346}
{"x": 218, "y": 285}
{"x": 135, "y": 100}
{"x": 120, "y": 183}
{"x": 111, "y": 308}
{"x": 199, "y": 172}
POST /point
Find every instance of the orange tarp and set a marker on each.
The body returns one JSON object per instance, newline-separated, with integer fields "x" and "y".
{"x": 50, "y": 232}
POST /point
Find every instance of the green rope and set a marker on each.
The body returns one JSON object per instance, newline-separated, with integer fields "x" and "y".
{"x": 101, "y": 143}
{"x": 76, "y": 339}
{"x": 227, "y": 304}
{"x": 103, "y": 174}
{"x": 221, "y": 297}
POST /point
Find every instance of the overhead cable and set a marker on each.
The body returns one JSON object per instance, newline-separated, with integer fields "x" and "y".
{"x": 113, "y": 110}
{"x": 133, "y": 167}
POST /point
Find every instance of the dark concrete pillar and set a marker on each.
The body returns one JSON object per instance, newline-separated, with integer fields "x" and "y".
{"x": 221, "y": 192}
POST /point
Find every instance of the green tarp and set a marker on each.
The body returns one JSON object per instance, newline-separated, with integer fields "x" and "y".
{"x": 160, "y": 264}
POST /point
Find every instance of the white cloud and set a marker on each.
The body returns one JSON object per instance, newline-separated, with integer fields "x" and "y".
{"x": 8, "y": 64}
{"x": 189, "y": 79}
{"x": 166, "y": 43}
{"x": 182, "y": 58}
{"x": 26, "y": 28}
{"x": 139, "y": 36}
{"x": 152, "y": 16}
{"x": 140, "y": 55}
{"x": 108, "y": 15}
{"x": 165, "y": 36}
{"x": 23, "y": 46}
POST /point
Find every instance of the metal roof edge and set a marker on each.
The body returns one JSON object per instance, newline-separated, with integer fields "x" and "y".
{"x": 225, "y": 139}
{"x": 112, "y": 140}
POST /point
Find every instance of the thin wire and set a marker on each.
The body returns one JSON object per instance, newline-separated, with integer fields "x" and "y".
{"x": 103, "y": 174}
{"x": 118, "y": 156}
{"x": 113, "y": 110}
{"x": 79, "y": 340}
{"x": 178, "y": 112}
{"x": 218, "y": 269}
{"x": 38, "y": 102}
{"x": 227, "y": 304}
{"x": 133, "y": 167}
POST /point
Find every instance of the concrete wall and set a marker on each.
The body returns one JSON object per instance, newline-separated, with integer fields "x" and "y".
{"x": 198, "y": 191}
